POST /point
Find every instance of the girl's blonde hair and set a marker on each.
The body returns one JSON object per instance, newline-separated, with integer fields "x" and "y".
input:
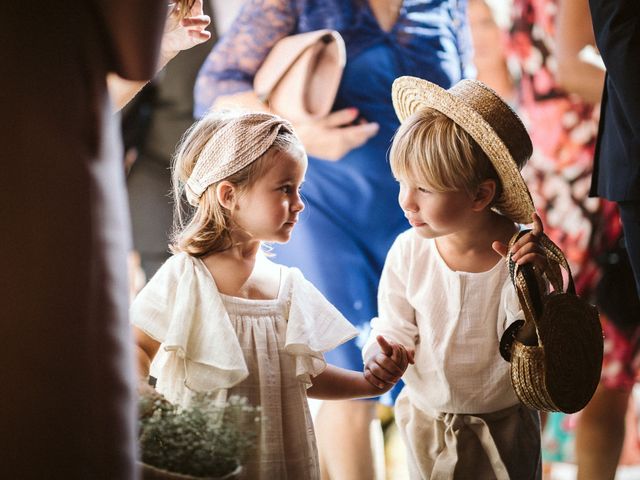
{"x": 206, "y": 228}
{"x": 431, "y": 149}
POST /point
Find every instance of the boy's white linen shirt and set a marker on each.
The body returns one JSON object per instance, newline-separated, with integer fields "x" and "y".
{"x": 454, "y": 320}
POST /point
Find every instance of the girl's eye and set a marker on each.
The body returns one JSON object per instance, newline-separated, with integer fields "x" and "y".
{"x": 286, "y": 189}
{"x": 423, "y": 190}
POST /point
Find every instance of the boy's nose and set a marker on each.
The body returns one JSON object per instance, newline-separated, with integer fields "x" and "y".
{"x": 407, "y": 202}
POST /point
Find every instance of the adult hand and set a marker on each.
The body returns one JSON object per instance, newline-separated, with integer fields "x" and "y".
{"x": 180, "y": 33}
{"x": 333, "y": 136}
{"x": 184, "y": 33}
{"x": 384, "y": 369}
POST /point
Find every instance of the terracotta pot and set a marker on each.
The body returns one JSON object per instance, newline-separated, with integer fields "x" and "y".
{"x": 152, "y": 473}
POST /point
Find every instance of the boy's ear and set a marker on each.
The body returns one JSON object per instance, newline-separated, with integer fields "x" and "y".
{"x": 226, "y": 194}
{"x": 485, "y": 194}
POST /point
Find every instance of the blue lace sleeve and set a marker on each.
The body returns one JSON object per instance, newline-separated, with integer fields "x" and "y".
{"x": 469, "y": 69}
{"x": 233, "y": 62}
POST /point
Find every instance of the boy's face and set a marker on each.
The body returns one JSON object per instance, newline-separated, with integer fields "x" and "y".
{"x": 434, "y": 214}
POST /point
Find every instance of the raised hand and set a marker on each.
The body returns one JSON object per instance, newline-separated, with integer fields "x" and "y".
{"x": 184, "y": 33}
{"x": 384, "y": 369}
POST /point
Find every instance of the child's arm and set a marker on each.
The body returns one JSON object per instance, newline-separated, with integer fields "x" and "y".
{"x": 382, "y": 372}
{"x": 146, "y": 349}
{"x": 527, "y": 249}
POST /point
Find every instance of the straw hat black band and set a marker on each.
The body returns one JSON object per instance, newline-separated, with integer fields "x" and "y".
{"x": 489, "y": 121}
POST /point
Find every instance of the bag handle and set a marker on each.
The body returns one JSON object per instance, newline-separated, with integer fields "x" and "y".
{"x": 526, "y": 280}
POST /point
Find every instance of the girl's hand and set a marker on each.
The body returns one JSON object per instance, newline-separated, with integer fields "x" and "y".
{"x": 333, "y": 136}
{"x": 384, "y": 369}
{"x": 527, "y": 249}
{"x": 184, "y": 33}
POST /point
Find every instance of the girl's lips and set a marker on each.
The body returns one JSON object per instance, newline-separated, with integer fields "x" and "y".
{"x": 416, "y": 223}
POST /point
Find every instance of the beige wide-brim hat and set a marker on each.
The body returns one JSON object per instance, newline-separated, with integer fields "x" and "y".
{"x": 490, "y": 122}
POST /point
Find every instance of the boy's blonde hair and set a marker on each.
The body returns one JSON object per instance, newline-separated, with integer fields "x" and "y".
{"x": 206, "y": 228}
{"x": 431, "y": 149}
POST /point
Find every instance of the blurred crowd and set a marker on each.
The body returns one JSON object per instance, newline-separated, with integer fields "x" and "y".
{"x": 538, "y": 55}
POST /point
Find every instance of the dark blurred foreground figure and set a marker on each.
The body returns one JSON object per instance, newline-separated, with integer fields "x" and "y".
{"x": 616, "y": 174}
{"x": 67, "y": 405}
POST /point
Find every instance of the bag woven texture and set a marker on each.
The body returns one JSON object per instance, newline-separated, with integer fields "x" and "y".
{"x": 562, "y": 371}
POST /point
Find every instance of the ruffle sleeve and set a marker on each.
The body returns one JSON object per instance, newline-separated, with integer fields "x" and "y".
{"x": 181, "y": 308}
{"x": 314, "y": 326}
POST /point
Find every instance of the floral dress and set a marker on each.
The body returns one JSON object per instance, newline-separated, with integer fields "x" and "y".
{"x": 563, "y": 129}
{"x": 352, "y": 215}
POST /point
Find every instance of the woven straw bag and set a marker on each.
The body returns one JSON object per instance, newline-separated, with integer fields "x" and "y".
{"x": 300, "y": 76}
{"x": 562, "y": 371}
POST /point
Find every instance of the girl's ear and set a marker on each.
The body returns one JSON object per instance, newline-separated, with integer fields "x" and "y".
{"x": 226, "y": 194}
{"x": 484, "y": 195}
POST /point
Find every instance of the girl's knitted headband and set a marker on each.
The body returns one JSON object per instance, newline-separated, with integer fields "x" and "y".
{"x": 238, "y": 143}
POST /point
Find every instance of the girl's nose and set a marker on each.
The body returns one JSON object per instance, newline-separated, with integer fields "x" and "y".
{"x": 297, "y": 205}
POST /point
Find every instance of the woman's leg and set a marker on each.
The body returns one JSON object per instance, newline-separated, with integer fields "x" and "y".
{"x": 344, "y": 440}
{"x": 600, "y": 434}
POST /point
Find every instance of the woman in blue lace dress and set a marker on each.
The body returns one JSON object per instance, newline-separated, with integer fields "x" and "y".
{"x": 352, "y": 213}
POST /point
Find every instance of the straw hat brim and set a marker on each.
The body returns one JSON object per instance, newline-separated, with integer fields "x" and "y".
{"x": 410, "y": 94}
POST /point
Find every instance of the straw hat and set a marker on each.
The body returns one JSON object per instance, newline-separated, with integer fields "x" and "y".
{"x": 489, "y": 121}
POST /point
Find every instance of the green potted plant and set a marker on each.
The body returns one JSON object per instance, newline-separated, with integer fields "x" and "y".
{"x": 205, "y": 440}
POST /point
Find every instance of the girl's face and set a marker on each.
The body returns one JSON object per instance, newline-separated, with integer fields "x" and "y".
{"x": 269, "y": 209}
{"x": 434, "y": 214}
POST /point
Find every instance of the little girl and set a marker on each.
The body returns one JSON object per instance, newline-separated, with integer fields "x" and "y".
{"x": 220, "y": 316}
{"x": 445, "y": 290}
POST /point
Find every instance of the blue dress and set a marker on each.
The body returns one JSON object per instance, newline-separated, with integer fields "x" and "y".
{"x": 352, "y": 214}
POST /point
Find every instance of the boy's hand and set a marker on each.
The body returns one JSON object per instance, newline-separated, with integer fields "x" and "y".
{"x": 384, "y": 369}
{"x": 527, "y": 249}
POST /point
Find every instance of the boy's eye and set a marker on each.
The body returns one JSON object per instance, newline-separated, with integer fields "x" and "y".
{"x": 286, "y": 189}
{"x": 424, "y": 190}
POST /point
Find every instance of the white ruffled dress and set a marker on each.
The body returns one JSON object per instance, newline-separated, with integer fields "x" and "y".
{"x": 265, "y": 350}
